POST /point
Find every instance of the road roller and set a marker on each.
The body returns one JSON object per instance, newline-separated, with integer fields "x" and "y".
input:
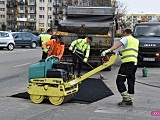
{"x": 54, "y": 80}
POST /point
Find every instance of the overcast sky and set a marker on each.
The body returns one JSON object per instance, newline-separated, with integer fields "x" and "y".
{"x": 142, "y": 6}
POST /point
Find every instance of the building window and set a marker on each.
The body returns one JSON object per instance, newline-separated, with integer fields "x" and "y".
{"x": 58, "y": 1}
{"x": 32, "y": 8}
{"x": 22, "y": 24}
{"x": 49, "y": 8}
{"x": 42, "y": 1}
{"x": 2, "y": 16}
{"x": 41, "y": 8}
{"x": 32, "y": 16}
{"x": 49, "y": 16}
{"x": 2, "y": 2}
{"x": 41, "y": 24}
{"x": 50, "y": 1}
{"x": 41, "y": 16}
{"x": 21, "y": 8}
{"x": 2, "y": 9}
{"x": 32, "y": 1}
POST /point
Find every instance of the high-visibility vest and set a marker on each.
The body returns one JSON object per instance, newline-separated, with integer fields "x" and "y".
{"x": 81, "y": 45}
{"x": 44, "y": 39}
{"x": 56, "y": 48}
{"x": 130, "y": 53}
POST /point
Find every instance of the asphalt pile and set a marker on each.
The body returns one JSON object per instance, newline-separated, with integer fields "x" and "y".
{"x": 90, "y": 90}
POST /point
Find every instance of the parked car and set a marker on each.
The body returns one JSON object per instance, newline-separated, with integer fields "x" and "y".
{"x": 6, "y": 40}
{"x": 44, "y": 32}
{"x": 24, "y": 39}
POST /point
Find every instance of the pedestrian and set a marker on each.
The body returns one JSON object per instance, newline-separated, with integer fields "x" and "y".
{"x": 127, "y": 70}
{"x": 56, "y": 47}
{"x": 43, "y": 39}
{"x": 81, "y": 51}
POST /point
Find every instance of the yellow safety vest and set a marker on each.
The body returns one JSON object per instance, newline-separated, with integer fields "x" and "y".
{"x": 130, "y": 53}
{"x": 81, "y": 45}
{"x": 44, "y": 39}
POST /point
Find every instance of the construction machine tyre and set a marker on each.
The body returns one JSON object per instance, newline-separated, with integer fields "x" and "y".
{"x": 57, "y": 100}
{"x": 36, "y": 98}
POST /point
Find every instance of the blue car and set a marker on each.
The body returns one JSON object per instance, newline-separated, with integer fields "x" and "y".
{"x": 24, "y": 39}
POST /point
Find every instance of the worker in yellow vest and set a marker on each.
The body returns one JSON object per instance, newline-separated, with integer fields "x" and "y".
{"x": 81, "y": 51}
{"x": 129, "y": 54}
{"x": 44, "y": 38}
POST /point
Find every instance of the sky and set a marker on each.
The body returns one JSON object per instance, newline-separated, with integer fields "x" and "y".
{"x": 142, "y": 6}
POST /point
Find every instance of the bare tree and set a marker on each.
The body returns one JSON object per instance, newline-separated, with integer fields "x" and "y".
{"x": 120, "y": 10}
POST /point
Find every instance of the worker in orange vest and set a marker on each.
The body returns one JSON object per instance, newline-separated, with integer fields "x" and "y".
{"x": 56, "y": 47}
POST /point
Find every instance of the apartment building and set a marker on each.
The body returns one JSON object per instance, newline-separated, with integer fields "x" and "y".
{"x": 38, "y": 14}
{"x": 131, "y": 19}
{"x": 2, "y": 12}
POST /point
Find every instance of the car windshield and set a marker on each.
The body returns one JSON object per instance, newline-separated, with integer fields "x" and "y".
{"x": 147, "y": 30}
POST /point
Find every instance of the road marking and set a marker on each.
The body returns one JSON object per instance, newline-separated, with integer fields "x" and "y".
{"x": 22, "y": 65}
{"x": 16, "y": 50}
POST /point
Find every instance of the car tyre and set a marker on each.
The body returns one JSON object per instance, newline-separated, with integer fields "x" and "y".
{"x": 33, "y": 45}
{"x": 10, "y": 46}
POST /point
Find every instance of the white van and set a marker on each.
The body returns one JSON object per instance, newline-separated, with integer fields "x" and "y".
{"x": 6, "y": 40}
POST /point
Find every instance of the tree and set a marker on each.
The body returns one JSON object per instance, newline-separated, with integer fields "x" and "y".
{"x": 3, "y": 27}
{"x": 120, "y": 10}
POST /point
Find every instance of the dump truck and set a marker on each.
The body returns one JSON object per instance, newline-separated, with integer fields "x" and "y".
{"x": 82, "y": 21}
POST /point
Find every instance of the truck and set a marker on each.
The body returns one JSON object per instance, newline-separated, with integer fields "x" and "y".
{"x": 82, "y": 21}
{"x": 148, "y": 34}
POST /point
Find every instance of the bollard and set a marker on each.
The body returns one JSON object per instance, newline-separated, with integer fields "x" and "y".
{"x": 144, "y": 72}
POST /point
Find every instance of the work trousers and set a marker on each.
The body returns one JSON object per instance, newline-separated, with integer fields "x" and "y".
{"x": 126, "y": 72}
{"x": 78, "y": 57}
{"x": 44, "y": 55}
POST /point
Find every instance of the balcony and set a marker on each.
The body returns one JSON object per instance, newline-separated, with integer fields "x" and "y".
{"x": 9, "y": 12}
{"x": 32, "y": 3}
{"x": 22, "y": 3}
{"x": 32, "y": 20}
{"x": 32, "y": 11}
{"x": 9, "y": 5}
{"x": 10, "y": 19}
{"x": 22, "y": 19}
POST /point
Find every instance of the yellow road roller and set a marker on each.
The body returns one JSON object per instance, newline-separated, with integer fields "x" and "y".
{"x": 52, "y": 79}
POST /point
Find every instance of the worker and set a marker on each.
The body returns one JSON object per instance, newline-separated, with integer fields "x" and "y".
{"x": 81, "y": 51}
{"x": 127, "y": 70}
{"x": 43, "y": 39}
{"x": 56, "y": 47}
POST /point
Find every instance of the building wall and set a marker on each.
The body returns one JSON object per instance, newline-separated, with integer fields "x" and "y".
{"x": 2, "y": 12}
{"x": 39, "y": 15}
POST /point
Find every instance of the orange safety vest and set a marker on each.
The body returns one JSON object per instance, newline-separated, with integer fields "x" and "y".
{"x": 56, "y": 48}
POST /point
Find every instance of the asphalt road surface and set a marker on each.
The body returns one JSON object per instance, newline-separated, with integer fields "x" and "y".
{"x": 14, "y": 77}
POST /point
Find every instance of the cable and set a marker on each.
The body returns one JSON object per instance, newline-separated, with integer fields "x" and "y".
{"x": 148, "y": 84}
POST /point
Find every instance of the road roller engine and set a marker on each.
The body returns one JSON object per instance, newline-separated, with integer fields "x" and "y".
{"x": 52, "y": 79}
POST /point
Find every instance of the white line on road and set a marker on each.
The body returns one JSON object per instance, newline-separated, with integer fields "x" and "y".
{"x": 22, "y": 65}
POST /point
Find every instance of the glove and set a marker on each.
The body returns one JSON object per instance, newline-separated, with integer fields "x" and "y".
{"x": 104, "y": 52}
{"x": 45, "y": 50}
{"x": 71, "y": 48}
{"x": 85, "y": 60}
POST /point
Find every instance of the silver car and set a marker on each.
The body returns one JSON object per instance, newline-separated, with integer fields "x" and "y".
{"x": 6, "y": 40}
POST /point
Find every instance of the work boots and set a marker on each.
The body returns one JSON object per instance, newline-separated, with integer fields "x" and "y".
{"x": 127, "y": 100}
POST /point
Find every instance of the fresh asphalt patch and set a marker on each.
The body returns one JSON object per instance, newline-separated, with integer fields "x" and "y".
{"x": 90, "y": 90}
